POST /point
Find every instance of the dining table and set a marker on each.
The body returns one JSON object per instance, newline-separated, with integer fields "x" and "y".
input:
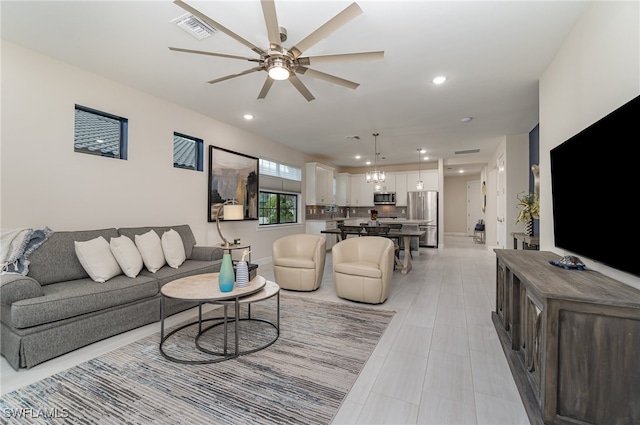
{"x": 405, "y": 234}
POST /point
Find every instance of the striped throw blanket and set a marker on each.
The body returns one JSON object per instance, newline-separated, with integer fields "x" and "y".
{"x": 17, "y": 244}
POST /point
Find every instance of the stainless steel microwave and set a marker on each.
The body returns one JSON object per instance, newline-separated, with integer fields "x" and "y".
{"x": 384, "y": 198}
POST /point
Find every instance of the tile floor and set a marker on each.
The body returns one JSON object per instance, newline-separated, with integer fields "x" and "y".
{"x": 439, "y": 362}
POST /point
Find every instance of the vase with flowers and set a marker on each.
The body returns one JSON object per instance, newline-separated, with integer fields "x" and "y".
{"x": 373, "y": 215}
{"x": 529, "y": 207}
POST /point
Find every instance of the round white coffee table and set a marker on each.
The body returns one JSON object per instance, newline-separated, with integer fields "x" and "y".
{"x": 204, "y": 289}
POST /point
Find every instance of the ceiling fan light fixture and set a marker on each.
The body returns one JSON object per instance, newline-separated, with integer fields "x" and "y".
{"x": 278, "y": 70}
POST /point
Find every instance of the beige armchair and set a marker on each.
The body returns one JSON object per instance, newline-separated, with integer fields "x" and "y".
{"x": 298, "y": 261}
{"x": 362, "y": 268}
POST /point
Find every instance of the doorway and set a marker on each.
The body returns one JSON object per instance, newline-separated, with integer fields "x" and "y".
{"x": 501, "y": 205}
{"x": 474, "y": 205}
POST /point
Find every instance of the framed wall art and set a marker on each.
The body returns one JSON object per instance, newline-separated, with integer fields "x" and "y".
{"x": 232, "y": 176}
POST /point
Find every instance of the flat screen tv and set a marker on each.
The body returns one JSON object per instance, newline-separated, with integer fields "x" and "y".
{"x": 593, "y": 180}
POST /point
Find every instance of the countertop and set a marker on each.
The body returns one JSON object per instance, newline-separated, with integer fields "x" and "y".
{"x": 365, "y": 219}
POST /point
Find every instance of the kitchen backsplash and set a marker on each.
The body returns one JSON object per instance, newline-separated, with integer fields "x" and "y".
{"x": 320, "y": 212}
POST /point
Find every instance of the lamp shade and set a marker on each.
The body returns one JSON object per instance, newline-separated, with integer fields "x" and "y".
{"x": 230, "y": 211}
{"x": 233, "y": 212}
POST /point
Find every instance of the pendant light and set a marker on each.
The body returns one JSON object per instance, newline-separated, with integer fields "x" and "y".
{"x": 419, "y": 185}
{"x": 375, "y": 176}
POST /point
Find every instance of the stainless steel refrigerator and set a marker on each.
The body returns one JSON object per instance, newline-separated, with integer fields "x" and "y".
{"x": 422, "y": 206}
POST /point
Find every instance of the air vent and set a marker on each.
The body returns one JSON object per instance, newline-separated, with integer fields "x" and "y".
{"x": 467, "y": 151}
{"x": 194, "y": 26}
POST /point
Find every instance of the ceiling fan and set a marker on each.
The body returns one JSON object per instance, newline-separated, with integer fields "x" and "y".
{"x": 284, "y": 63}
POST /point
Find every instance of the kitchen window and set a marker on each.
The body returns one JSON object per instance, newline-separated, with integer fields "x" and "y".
{"x": 280, "y": 190}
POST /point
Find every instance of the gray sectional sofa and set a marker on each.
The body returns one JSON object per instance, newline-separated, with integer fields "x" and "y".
{"x": 56, "y": 308}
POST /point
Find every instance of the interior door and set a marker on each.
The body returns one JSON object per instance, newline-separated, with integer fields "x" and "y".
{"x": 474, "y": 205}
{"x": 501, "y": 213}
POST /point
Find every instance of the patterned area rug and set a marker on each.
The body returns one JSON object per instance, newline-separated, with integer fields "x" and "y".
{"x": 301, "y": 378}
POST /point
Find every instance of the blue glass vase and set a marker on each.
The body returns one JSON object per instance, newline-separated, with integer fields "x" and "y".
{"x": 226, "y": 277}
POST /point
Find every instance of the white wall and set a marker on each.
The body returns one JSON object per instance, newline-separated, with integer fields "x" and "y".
{"x": 596, "y": 70}
{"x": 45, "y": 183}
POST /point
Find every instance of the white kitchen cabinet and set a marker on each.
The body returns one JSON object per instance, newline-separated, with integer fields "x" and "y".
{"x": 316, "y": 228}
{"x": 389, "y": 184}
{"x": 343, "y": 189}
{"x": 361, "y": 191}
{"x": 401, "y": 189}
{"x": 355, "y": 183}
{"x": 412, "y": 179}
{"x": 366, "y": 193}
{"x": 429, "y": 180}
{"x": 318, "y": 184}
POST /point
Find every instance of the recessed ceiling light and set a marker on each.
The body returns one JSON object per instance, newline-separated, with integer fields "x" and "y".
{"x": 426, "y": 158}
{"x": 466, "y": 119}
{"x": 461, "y": 171}
{"x": 368, "y": 162}
{"x": 358, "y": 157}
{"x": 439, "y": 80}
{"x": 248, "y": 117}
{"x": 423, "y": 151}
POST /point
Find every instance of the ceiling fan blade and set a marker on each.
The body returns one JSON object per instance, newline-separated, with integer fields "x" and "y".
{"x": 301, "y": 88}
{"x": 221, "y": 55}
{"x": 271, "y": 19}
{"x": 265, "y": 88}
{"x": 327, "y": 77}
{"x": 345, "y": 57}
{"x": 342, "y": 18}
{"x": 239, "y": 74}
{"x": 218, "y": 26}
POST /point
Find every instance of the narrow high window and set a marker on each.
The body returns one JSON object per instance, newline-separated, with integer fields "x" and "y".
{"x": 187, "y": 152}
{"x": 100, "y": 133}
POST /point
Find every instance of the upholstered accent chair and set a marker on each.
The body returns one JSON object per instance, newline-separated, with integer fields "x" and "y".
{"x": 363, "y": 268}
{"x": 298, "y": 261}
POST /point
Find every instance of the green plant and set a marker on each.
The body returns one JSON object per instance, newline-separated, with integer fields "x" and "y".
{"x": 529, "y": 206}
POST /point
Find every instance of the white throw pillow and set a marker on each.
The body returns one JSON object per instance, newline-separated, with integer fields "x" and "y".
{"x": 173, "y": 248}
{"x": 151, "y": 250}
{"x": 127, "y": 255}
{"x": 97, "y": 259}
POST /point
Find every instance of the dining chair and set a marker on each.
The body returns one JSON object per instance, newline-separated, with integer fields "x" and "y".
{"x": 384, "y": 232}
{"x": 349, "y": 230}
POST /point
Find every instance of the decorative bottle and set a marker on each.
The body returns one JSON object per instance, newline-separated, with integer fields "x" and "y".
{"x": 226, "y": 277}
{"x": 242, "y": 272}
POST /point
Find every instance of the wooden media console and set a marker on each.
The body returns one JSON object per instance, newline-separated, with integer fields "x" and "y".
{"x": 571, "y": 338}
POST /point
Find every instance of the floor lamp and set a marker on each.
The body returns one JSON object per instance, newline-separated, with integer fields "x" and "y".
{"x": 232, "y": 211}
